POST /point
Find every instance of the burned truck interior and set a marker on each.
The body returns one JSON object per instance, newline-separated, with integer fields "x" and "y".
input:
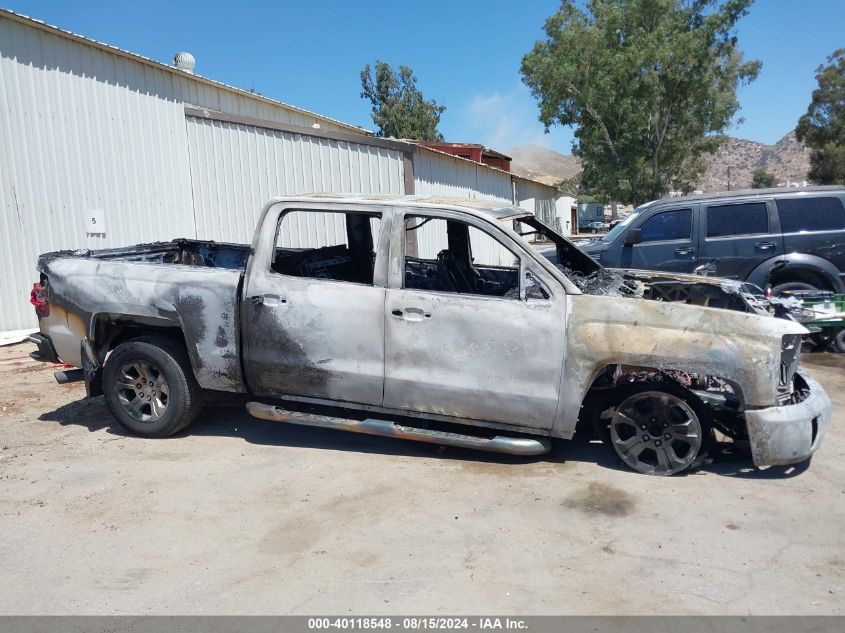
{"x": 342, "y": 248}
{"x": 429, "y": 266}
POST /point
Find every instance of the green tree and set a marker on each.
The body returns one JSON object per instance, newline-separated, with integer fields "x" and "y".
{"x": 822, "y": 127}
{"x": 399, "y": 108}
{"x": 763, "y": 179}
{"x": 650, "y": 86}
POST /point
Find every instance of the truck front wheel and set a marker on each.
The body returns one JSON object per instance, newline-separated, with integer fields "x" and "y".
{"x": 655, "y": 428}
{"x": 150, "y": 387}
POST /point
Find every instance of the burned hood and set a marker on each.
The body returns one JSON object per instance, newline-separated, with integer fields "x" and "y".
{"x": 708, "y": 292}
{"x": 653, "y": 276}
{"x": 591, "y": 278}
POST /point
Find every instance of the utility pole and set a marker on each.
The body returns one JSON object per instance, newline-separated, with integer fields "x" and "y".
{"x": 729, "y": 177}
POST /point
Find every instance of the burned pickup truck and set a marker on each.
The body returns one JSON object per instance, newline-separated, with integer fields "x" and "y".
{"x": 434, "y": 320}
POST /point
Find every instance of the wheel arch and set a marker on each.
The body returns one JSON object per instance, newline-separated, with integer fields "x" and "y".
{"x": 798, "y": 267}
{"x": 610, "y": 376}
{"x": 163, "y": 360}
{"x": 108, "y": 330}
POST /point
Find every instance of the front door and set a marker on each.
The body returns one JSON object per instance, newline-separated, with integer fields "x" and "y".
{"x": 313, "y": 319}
{"x": 465, "y": 335}
{"x": 669, "y": 242}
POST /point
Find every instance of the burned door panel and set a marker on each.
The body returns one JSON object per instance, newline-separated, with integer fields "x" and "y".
{"x": 473, "y": 357}
{"x": 314, "y": 338}
{"x": 458, "y": 343}
{"x": 313, "y": 321}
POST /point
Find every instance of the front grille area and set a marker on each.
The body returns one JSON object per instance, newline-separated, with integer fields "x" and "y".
{"x": 790, "y": 355}
{"x": 795, "y": 391}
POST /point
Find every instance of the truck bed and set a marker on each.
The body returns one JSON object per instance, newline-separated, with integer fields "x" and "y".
{"x": 181, "y": 251}
{"x": 188, "y": 288}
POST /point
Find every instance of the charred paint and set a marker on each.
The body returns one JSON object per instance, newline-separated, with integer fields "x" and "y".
{"x": 484, "y": 360}
{"x": 133, "y": 285}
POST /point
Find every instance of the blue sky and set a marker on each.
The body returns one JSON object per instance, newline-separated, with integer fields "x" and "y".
{"x": 465, "y": 54}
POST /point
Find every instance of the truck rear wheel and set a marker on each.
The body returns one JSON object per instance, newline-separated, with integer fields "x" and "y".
{"x": 150, "y": 387}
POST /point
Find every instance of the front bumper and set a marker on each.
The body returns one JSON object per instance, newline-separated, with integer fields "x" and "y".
{"x": 791, "y": 433}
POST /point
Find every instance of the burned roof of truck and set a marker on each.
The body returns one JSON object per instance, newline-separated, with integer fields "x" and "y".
{"x": 499, "y": 210}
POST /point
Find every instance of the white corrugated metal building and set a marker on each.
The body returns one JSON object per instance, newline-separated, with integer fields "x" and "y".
{"x": 100, "y": 147}
{"x": 556, "y": 208}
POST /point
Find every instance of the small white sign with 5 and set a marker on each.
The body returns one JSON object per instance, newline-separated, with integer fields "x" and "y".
{"x": 95, "y": 221}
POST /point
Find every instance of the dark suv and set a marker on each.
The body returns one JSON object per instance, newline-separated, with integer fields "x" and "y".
{"x": 790, "y": 238}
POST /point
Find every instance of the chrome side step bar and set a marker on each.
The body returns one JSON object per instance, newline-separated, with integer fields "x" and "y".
{"x": 370, "y": 426}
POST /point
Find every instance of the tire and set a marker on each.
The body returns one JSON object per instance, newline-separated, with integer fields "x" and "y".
{"x": 821, "y": 340}
{"x": 794, "y": 285}
{"x": 150, "y": 388}
{"x": 657, "y": 451}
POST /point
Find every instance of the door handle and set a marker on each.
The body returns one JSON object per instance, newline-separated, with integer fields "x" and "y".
{"x": 686, "y": 250}
{"x": 267, "y": 300}
{"x": 411, "y": 314}
{"x": 764, "y": 245}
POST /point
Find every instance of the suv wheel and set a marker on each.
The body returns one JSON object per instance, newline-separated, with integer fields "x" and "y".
{"x": 792, "y": 285}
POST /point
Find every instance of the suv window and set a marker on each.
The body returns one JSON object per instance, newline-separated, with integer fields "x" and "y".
{"x": 668, "y": 225}
{"x": 327, "y": 245}
{"x": 452, "y": 256}
{"x": 748, "y": 218}
{"x": 810, "y": 214}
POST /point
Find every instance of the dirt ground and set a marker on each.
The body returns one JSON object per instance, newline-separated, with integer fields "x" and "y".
{"x": 239, "y": 515}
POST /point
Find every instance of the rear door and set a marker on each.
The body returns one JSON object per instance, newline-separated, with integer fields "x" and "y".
{"x": 669, "y": 241}
{"x": 313, "y": 307}
{"x": 736, "y": 236}
{"x": 814, "y": 225}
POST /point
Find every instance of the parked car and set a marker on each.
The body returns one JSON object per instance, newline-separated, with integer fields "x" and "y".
{"x": 792, "y": 239}
{"x": 595, "y": 227}
{"x": 431, "y": 320}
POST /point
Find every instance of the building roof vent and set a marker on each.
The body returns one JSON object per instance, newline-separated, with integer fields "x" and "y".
{"x": 185, "y": 62}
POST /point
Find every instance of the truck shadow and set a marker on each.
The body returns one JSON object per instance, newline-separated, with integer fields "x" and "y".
{"x": 227, "y": 418}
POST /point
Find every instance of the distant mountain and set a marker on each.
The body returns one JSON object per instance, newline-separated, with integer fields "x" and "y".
{"x": 787, "y": 159}
{"x": 543, "y": 164}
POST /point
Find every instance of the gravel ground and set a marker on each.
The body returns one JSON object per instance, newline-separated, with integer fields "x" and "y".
{"x": 244, "y": 516}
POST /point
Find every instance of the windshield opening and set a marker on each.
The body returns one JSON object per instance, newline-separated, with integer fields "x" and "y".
{"x": 613, "y": 233}
{"x": 568, "y": 255}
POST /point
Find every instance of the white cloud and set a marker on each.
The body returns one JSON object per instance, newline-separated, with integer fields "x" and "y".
{"x": 503, "y": 120}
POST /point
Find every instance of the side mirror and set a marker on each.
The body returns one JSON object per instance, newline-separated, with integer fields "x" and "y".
{"x": 634, "y": 236}
{"x": 533, "y": 288}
